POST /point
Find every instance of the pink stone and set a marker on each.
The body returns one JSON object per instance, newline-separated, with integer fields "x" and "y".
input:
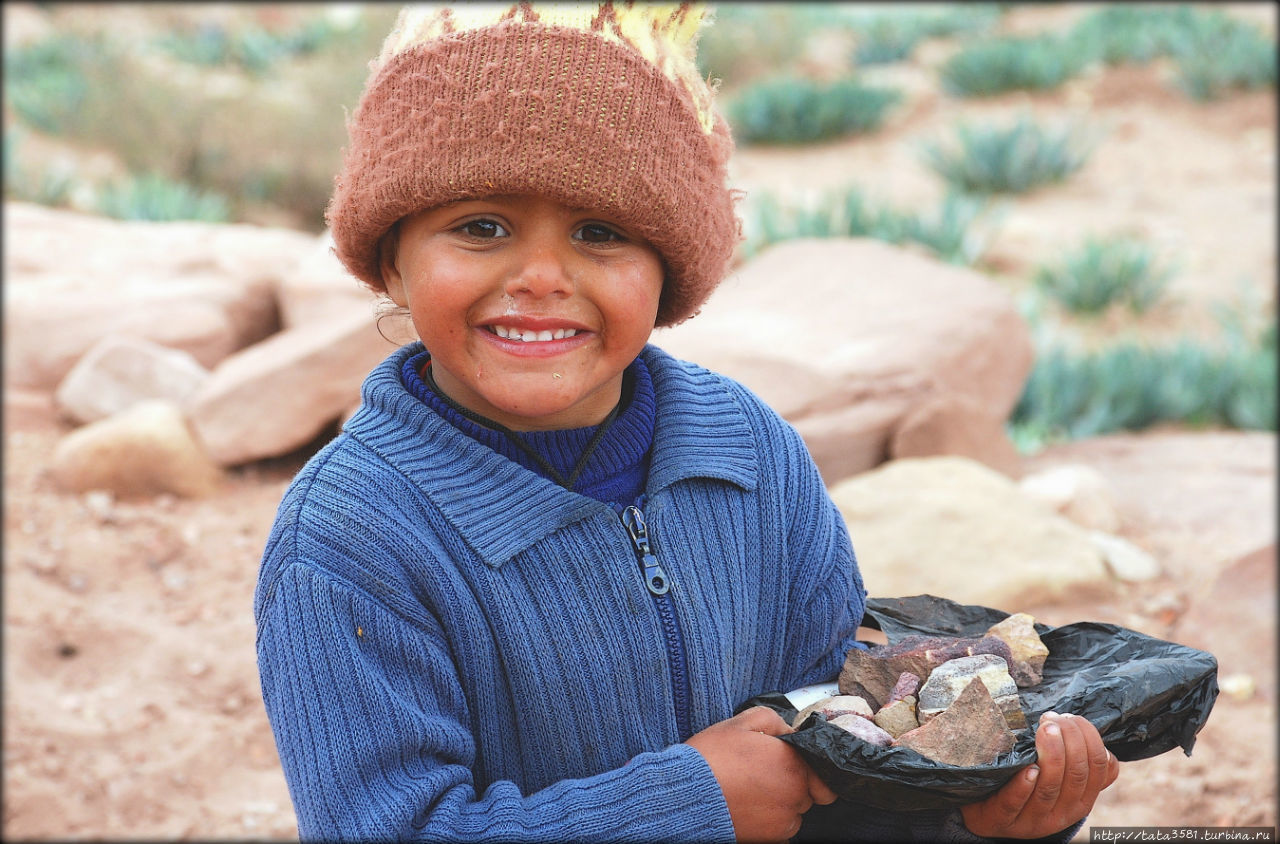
{"x": 863, "y": 728}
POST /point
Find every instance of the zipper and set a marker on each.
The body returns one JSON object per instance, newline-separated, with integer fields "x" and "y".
{"x": 658, "y": 583}
{"x": 655, "y": 579}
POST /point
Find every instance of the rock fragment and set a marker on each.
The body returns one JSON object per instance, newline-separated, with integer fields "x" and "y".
{"x": 835, "y": 706}
{"x": 872, "y": 673}
{"x": 898, "y": 716}
{"x": 907, "y": 686}
{"x": 864, "y": 728}
{"x": 972, "y": 731}
{"x": 1018, "y": 631}
{"x": 949, "y": 680}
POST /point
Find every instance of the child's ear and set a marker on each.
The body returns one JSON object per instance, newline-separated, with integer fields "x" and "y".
{"x": 388, "y": 247}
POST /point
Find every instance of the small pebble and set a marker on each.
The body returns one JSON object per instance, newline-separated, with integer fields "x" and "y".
{"x": 101, "y": 504}
{"x": 1238, "y": 686}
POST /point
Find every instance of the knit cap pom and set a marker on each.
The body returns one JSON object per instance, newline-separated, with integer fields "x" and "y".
{"x": 666, "y": 34}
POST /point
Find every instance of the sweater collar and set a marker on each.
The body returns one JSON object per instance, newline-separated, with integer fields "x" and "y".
{"x": 623, "y": 448}
{"x": 499, "y": 507}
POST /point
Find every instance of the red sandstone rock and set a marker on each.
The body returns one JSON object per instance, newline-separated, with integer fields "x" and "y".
{"x": 874, "y": 332}
{"x": 949, "y": 680}
{"x": 873, "y": 673}
{"x": 972, "y": 731}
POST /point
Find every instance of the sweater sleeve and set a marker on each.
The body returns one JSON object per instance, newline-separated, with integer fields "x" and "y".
{"x": 828, "y": 598}
{"x": 370, "y": 723}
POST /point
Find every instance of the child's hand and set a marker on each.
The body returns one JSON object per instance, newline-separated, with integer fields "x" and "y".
{"x": 1072, "y": 768}
{"x": 766, "y": 782}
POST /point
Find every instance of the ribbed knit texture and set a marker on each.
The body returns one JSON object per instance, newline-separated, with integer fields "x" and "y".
{"x": 614, "y": 471}
{"x": 453, "y": 648}
{"x": 592, "y": 115}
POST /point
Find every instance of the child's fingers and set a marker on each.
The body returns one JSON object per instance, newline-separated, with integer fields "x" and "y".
{"x": 1101, "y": 762}
{"x": 1051, "y": 759}
{"x": 819, "y": 791}
{"x": 1077, "y": 767}
{"x": 1012, "y": 799}
{"x": 1113, "y": 769}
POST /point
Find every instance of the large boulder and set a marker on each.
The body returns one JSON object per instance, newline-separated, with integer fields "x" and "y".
{"x": 118, "y": 372}
{"x": 871, "y": 350}
{"x": 72, "y": 279}
{"x": 279, "y": 395}
{"x": 147, "y": 449}
{"x": 952, "y": 527}
{"x": 319, "y": 288}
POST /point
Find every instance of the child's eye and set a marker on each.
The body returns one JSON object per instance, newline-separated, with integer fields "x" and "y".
{"x": 482, "y": 229}
{"x": 597, "y": 233}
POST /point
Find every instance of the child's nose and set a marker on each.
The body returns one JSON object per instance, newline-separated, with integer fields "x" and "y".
{"x": 542, "y": 271}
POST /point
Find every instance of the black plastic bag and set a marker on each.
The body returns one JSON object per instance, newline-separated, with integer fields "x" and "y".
{"x": 1145, "y": 695}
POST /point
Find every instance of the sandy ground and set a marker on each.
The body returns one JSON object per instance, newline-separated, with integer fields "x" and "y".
{"x": 131, "y": 700}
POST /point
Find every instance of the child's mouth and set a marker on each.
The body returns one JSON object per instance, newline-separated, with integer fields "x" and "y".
{"x": 529, "y": 335}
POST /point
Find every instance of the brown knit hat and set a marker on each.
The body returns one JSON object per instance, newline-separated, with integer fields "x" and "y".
{"x": 596, "y": 105}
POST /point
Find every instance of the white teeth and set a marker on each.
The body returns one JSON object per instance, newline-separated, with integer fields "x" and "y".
{"x": 509, "y": 333}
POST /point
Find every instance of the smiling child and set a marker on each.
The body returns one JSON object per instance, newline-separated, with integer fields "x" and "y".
{"x": 520, "y": 596}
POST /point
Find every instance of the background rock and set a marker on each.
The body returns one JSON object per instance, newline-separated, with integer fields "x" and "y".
{"x": 144, "y": 450}
{"x": 1124, "y": 560}
{"x": 1197, "y": 501}
{"x": 951, "y": 527}
{"x": 277, "y": 395}
{"x": 1079, "y": 492}
{"x": 72, "y": 279}
{"x": 119, "y": 371}
{"x": 956, "y": 424}
{"x": 319, "y": 288}
{"x": 845, "y": 337}
{"x": 1236, "y": 620}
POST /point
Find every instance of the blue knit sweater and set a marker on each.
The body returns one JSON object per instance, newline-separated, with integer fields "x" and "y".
{"x": 453, "y": 648}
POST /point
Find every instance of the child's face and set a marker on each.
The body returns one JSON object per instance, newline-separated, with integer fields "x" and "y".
{"x": 531, "y": 310}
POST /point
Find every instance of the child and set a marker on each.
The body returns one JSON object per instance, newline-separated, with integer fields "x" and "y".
{"x": 520, "y": 596}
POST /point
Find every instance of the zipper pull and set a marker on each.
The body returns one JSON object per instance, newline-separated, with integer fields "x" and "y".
{"x": 655, "y": 579}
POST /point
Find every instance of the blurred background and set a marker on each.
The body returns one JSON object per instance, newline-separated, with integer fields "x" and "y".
{"x": 1109, "y": 168}
{"x": 234, "y": 113}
